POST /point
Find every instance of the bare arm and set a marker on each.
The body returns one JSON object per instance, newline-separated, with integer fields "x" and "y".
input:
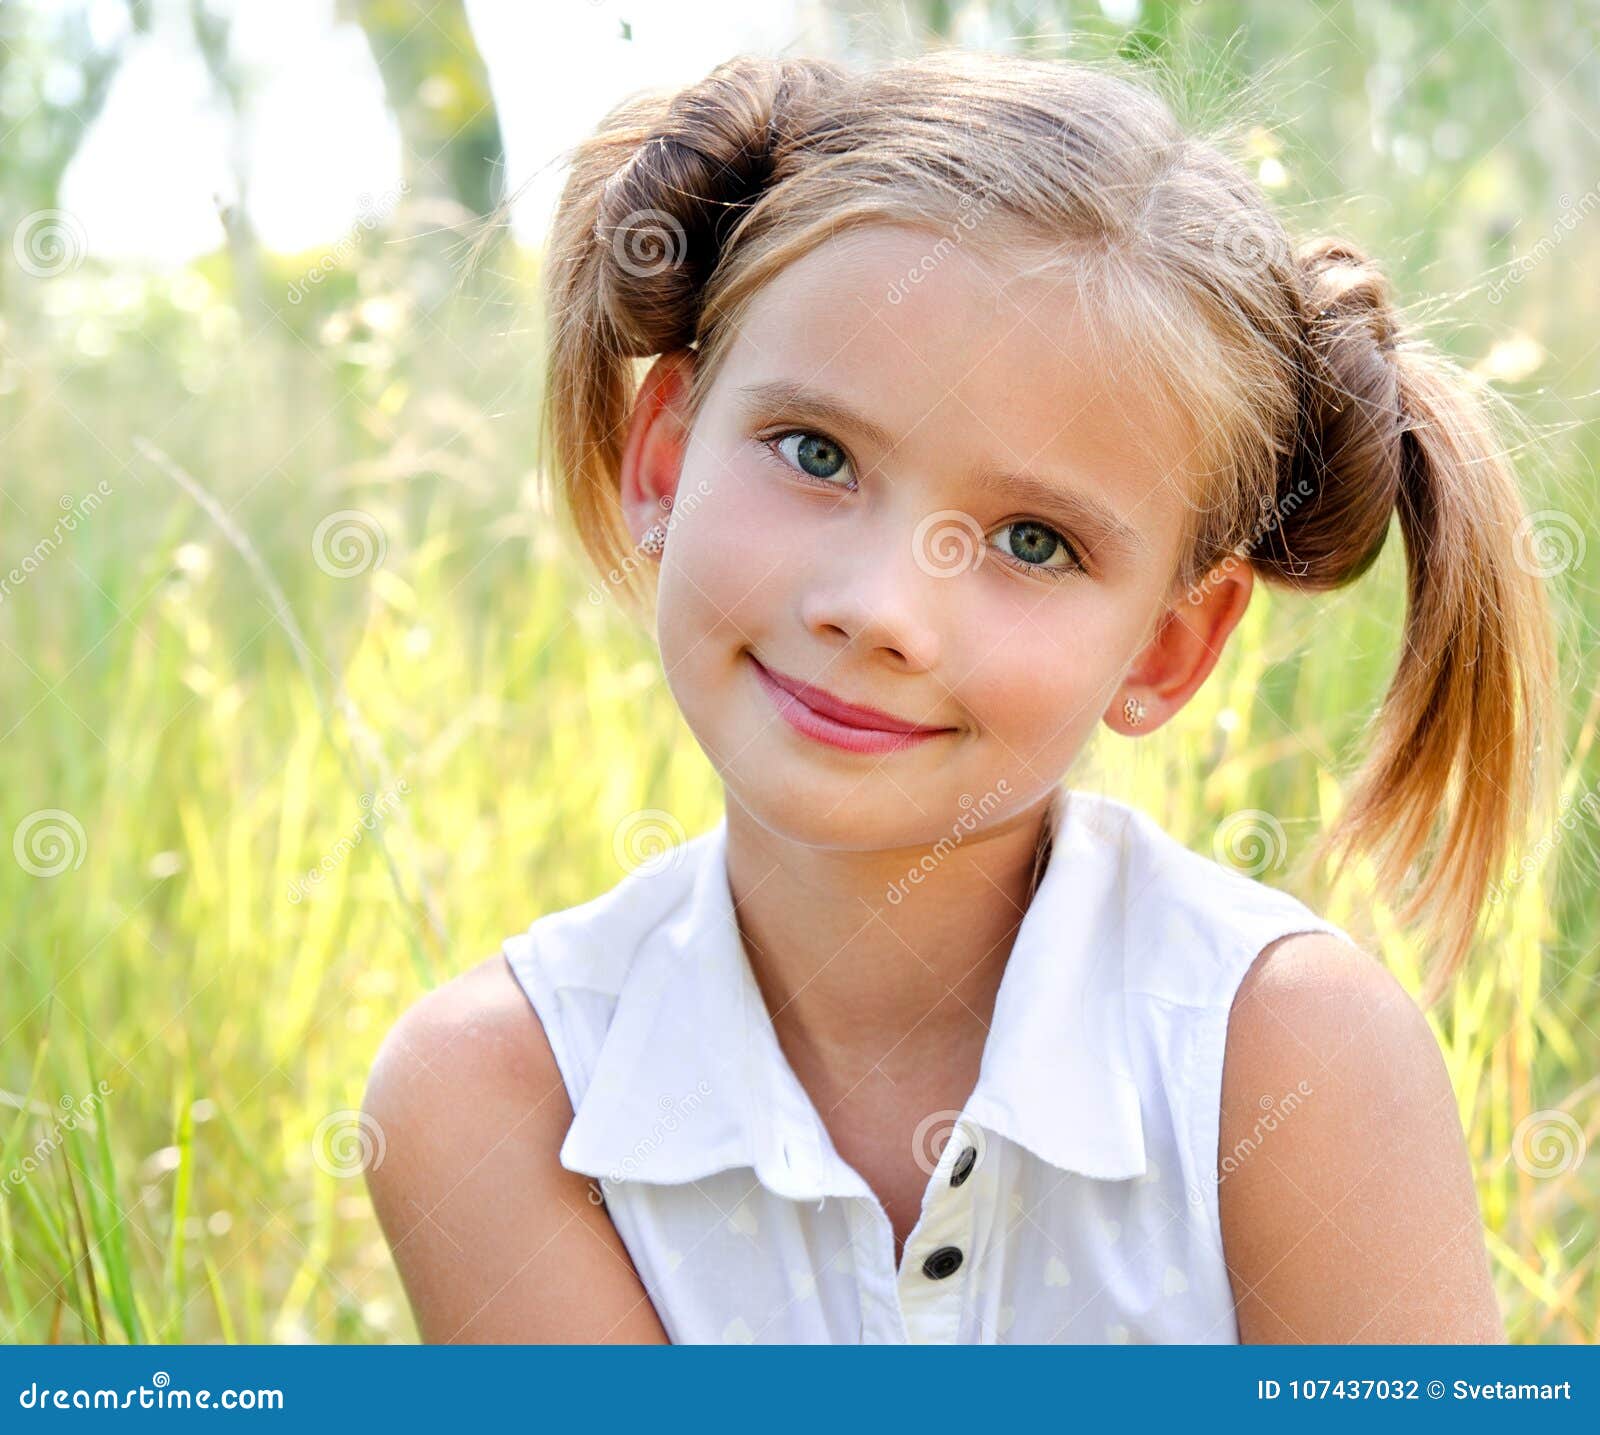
{"x": 1353, "y": 1220}
{"x": 494, "y": 1239}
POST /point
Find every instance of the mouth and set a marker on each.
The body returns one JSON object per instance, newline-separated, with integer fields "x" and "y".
{"x": 818, "y": 714}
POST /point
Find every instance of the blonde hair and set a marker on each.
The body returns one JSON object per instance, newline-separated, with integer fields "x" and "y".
{"x": 1314, "y": 417}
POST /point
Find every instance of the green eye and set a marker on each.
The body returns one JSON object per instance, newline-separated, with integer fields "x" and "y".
{"x": 1027, "y": 545}
{"x": 1033, "y": 545}
{"x": 813, "y": 455}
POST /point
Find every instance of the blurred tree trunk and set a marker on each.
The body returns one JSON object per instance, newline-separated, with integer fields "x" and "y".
{"x": 35, "y": 50}
{"x": 437, "y": 87}
{"x": 212, "y": 40}
{"x": 56, "y": 126}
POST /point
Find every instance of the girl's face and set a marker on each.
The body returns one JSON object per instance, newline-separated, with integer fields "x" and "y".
{"x": 849, "y": 513}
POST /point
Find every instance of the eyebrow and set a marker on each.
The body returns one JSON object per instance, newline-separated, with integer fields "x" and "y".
{"x": 1101, "y": 526}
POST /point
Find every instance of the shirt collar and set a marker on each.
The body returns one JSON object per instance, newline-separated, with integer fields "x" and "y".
{"x": 690, "y": 1078}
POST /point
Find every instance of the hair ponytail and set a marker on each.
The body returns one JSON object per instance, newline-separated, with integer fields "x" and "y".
{"x": 652, "y": 198}
{"x": 1469, "y": 724}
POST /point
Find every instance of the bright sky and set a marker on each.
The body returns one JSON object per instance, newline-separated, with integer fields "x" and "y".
{"x": 320, "y": 137}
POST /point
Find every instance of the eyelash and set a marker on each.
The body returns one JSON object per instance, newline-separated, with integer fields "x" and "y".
{"x": 771, "y": 442}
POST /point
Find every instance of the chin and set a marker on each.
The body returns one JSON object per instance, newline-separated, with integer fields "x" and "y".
{"x": 845, "y": 815}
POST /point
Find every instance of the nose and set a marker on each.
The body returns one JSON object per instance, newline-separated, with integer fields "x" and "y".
{"x": 871, "y": 594}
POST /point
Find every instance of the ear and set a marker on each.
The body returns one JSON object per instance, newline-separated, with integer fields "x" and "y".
{"x": 652, "y": 457}
{"x": 1189, "y": 639}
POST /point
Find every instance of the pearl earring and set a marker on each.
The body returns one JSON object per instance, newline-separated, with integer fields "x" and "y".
{"x": 1133, "y": 712}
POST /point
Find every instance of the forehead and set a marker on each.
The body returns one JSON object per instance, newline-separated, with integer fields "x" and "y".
{"x": 967, "y": 358}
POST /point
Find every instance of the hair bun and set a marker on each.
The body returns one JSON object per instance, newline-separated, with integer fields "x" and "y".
{"x": 1344, "y": 473}
{"x": 704, "y": 157}
{"x": 1339, "y": 282}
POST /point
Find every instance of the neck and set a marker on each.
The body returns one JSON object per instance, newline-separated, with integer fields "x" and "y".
{"x": 856, "y": 983}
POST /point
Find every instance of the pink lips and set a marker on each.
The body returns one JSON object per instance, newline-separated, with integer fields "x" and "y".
{"x": 820, "y": 715}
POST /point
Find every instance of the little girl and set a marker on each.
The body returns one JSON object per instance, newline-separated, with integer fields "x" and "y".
{"x": 981, "y": 396}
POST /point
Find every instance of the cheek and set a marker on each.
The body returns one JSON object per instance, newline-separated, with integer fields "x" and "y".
{"x": 721, "y": 568}
{"x": 1043, "y": 688}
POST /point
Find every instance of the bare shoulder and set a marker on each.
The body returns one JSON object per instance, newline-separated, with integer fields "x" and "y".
{"x": 494, "y": 1239}
{"x": 1348, "y": 1209}
{"x": 475, "y": 1034}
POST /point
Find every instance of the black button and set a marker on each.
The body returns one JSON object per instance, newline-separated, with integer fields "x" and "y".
{"x": 941, "y": 1263}
{"x": 964, "y": 1164}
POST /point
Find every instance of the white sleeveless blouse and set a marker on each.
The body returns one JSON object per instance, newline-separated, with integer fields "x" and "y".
{"x": 1075, "y": 1199}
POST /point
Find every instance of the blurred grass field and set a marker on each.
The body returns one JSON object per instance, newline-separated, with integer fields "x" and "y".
{"x": 308, "y": 709}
